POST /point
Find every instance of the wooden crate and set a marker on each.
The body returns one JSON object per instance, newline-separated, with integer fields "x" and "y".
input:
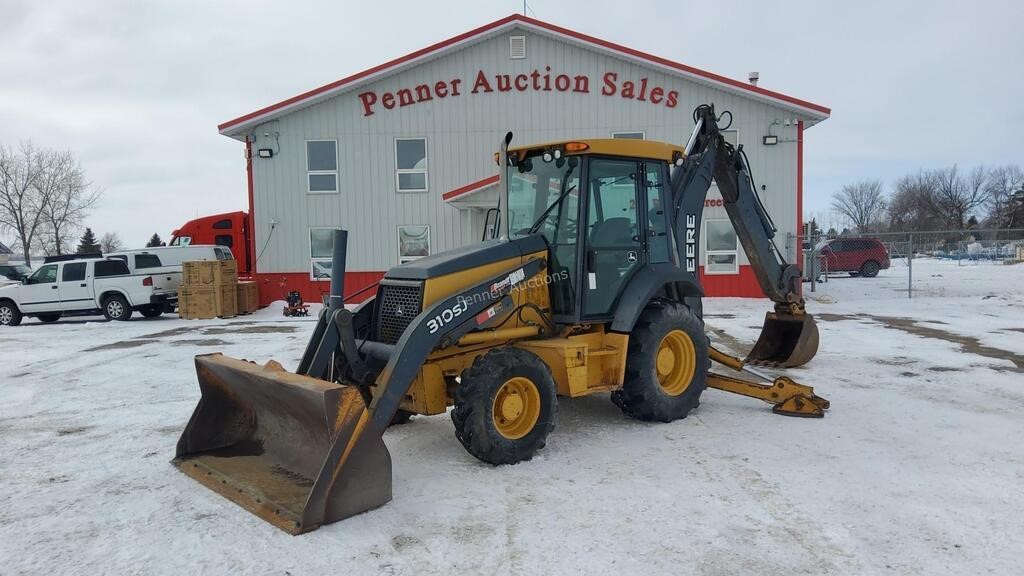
{"x": 209, "y": 273}
{"x": 207, "y": 302}
{"x": 247, "y": 296}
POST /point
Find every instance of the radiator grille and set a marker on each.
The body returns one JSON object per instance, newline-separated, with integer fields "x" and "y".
{"x": 399, "y": 304}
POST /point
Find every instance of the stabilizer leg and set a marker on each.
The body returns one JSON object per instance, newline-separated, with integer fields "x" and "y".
{"x": 787, "y": 397}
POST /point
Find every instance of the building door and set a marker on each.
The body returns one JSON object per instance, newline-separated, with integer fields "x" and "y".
{"x": 613, "y": 232}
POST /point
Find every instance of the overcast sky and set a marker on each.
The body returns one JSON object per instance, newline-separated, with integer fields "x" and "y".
{"x": 137, "y": 89}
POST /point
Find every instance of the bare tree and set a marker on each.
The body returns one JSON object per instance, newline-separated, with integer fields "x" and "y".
{"x": 110, "y": 242}
{"x": 958, "y": 196}
{"x": 1003, "y": 182}
{"x": 909, "y": 207}
{"x": 21, "y": 198}
{"x": 71, "y": 196}
{"x": 861, "y": 203}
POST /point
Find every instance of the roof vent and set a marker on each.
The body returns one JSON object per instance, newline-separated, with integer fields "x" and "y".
{"x": 753, "y": 77}
{"x": 517, "y": 47}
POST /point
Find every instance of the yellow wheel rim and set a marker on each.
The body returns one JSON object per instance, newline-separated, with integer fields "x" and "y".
{"x": 516, "y": 408}
{"x": 676, "y": 362}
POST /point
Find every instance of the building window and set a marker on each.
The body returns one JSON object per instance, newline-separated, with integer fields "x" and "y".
{"x": 720, "y": 248}
{"x": 321, "y": 248}
{"x": 322, "y": 166}
{"x": 411, "y": 164}
{"x": 629, "y": 135}
{"x": 413, "y": 243}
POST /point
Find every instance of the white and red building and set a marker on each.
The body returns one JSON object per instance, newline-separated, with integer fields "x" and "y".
{"x": 401, "y": 155}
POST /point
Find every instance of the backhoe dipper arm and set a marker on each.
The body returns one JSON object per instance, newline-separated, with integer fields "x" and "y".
{"x": 709, "y": 157}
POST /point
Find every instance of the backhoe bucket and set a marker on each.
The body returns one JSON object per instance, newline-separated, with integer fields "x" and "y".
{"x": 786, "y": 340}
{"x": 274, "y": 443}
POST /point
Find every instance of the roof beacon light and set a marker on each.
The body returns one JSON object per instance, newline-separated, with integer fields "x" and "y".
{"x": 576, "y": 146}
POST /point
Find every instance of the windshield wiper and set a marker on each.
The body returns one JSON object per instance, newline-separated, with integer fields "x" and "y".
{"x": 551, "y": 207}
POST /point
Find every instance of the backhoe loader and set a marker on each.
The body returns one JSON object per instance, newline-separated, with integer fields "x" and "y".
{"x": 589, "y": 284}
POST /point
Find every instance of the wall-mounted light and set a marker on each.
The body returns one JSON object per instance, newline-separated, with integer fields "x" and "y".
{"x": 770, "y": 140}
{"x": 265, "y": 153}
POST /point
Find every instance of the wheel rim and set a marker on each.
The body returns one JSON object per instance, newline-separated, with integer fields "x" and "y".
{"x": 115, "y": 309}
{"x": 676, "y": 362}
{"x": 516, "y": 408}
{"x": 6, "y": 315}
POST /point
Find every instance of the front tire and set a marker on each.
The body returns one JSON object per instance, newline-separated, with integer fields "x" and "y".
{"x": 116, "y": 308}
{"x": 666, "y": 365}
{"x": 9, "y": 314}
{"x": 505, "y": 406}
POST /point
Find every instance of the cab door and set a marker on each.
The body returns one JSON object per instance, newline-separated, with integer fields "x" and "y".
{"x": 40, "y": 292}
{"x": 75, "y": 291}
{"x": 614, "y": 243}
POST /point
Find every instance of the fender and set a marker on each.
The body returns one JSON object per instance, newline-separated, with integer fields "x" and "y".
{"x": 110, "y": 291}
{"x": 644, "y": 285}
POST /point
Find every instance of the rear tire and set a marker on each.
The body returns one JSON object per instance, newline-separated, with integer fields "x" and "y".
{"x": 152, "y": 311}
{"x": 9, "y": 314}
{"x": 666, "y": 365}
{"x": 116, "y": 308}
{"x": 505, "y": 406}
{"x": 869, "y": 269}
{"x": 48, "y": 318}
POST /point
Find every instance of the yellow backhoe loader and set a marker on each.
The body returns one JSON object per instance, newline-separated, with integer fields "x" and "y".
{"x": 589, "y": 284}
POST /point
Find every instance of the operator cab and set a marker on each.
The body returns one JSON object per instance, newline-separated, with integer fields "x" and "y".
{"x": 601, "y": 207}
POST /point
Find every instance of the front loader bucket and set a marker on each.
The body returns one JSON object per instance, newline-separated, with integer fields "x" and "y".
{"x": 274, "y": 443}
{"x": 786, "y": 340}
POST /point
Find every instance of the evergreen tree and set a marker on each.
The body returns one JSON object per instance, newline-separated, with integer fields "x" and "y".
{"x": 88, "y": 243}
{"x": 154, "y": 241}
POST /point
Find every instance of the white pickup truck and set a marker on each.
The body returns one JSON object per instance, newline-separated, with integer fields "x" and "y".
{"x": 164, "y": 264}
{"x": 78, "y": 287}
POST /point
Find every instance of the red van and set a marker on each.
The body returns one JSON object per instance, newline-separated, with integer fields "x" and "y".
{"x": 858, "y": 256}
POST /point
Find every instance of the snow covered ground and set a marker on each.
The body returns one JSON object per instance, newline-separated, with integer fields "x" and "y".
{"x": 917, "y": 469}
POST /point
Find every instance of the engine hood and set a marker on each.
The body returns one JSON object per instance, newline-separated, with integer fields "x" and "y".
{"x": 466, "y": 257}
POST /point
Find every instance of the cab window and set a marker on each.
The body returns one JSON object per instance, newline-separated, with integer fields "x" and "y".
{"x": 147, "y": 261}
{"x": 45, "y": 275}
{"x": 111, "y": 268}
{"x": 74, "y": 272}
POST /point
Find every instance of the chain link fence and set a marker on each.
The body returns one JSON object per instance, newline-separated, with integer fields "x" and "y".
{"x": 911, "y": 264}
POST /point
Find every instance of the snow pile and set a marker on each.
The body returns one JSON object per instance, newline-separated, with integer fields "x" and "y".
{"x": 916, "y": 469}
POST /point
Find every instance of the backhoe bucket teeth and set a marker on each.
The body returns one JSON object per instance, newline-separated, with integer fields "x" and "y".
{"x": 286, "y": 447}
{"x": 786, "y": 340}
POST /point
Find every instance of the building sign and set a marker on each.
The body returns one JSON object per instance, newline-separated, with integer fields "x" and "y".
{"x": 609, "y": 84}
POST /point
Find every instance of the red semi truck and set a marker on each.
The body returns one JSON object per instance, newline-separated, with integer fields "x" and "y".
{"x": 230, "y": 230}
{"x": 234, "y": 230}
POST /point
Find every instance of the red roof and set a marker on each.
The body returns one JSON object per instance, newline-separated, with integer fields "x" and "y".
{"x": 233, "y": 126}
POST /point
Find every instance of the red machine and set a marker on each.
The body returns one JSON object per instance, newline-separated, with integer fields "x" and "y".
{"x": 230, "y": 229}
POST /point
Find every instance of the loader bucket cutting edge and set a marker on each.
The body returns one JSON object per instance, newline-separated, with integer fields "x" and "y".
{"x": 787, "y": 340}
{"x": 272, "y": 442}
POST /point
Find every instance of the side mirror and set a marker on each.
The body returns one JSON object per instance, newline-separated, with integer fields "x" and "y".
{"x": 26, "y": 281}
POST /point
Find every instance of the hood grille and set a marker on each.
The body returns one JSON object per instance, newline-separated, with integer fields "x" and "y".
{"x": 400, "y": 302}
